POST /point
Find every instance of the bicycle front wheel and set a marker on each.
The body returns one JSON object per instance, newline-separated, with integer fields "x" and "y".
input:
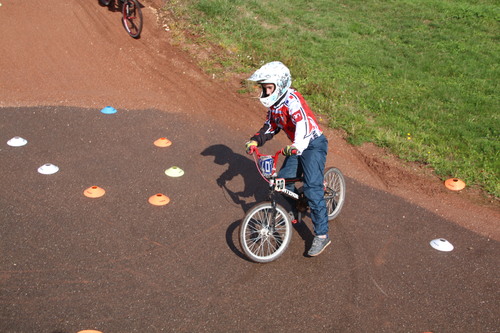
{"x": 334, "y": 192}
{"x": 132, "y": 18}
{"x": 262, "y": 237}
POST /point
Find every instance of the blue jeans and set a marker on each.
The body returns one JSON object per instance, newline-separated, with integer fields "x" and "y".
{"x": 311, "y": 166}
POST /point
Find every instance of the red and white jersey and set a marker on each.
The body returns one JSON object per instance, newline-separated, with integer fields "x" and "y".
{"x": 293, "y": 116}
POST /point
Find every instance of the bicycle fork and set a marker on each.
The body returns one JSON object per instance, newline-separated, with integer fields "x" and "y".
{"x": 274, "y": 211}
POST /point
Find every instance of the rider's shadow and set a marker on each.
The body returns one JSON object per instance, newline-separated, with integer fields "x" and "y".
{"x": 253, "y": 190}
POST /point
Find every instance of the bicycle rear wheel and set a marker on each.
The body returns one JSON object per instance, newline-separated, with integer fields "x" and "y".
{"x": 334, "y": 192}
{"x": 132, "y": 18}
{"x": 261, "y": 239}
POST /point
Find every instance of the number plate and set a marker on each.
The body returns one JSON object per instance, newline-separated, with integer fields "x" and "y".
{"x": 266, "y": 165}
{"x": 279, "y": 184}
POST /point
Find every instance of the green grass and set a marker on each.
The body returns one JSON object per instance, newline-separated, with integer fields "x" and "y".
{"x": 420, "y": 77}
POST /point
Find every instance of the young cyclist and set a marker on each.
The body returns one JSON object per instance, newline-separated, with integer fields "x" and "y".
{"x": 306, "y": 156}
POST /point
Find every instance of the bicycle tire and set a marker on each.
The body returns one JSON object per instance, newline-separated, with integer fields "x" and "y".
{"x": 335, "y": 191}
{"x": 132, "y": 18}
{"x": 259, "y": 242}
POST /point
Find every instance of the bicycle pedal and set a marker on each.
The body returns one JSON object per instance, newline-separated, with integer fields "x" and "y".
{"x": 295, "y": 221}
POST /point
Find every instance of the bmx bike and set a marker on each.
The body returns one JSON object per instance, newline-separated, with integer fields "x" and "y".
{"x": 131, "y": 15}
{"x": 266, "y": 230}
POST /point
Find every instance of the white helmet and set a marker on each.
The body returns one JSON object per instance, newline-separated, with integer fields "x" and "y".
{"x": 276, "y": 73}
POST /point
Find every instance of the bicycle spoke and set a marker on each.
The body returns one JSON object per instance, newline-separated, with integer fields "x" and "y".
{"x": 268, "y": 244}
{"x": 265, "y": 233}
{"x": 334, "y": 192}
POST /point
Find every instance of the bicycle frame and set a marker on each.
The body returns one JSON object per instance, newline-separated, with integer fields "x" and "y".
{"x": 265, "y": 231}
{"x": 276, "y": 184}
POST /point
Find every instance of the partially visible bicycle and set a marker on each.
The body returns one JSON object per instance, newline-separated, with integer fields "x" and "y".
{"x": 266, "y": 230}
{"x": 131, "y": 15}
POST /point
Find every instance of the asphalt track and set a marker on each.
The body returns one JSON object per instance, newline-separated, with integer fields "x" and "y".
{"x": 120, "y": 264}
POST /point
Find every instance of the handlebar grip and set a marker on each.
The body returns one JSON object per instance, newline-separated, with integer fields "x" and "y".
{"x": 291, "y": 152}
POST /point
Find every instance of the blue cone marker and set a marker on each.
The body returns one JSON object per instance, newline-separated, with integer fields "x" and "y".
{"x": 109, "y": 110}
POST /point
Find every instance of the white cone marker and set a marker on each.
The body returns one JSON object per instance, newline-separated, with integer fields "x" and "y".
{"x": 442, "y": 244}
{"x": 48, "y": 169}
{"x": 174, "y": 171}
{"x": 17, "y": 141}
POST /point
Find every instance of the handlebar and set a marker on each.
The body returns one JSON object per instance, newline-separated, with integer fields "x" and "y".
{"x": 275, "y": 156}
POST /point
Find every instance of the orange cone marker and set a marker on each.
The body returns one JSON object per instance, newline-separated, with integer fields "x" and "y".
{"x": 94, "y": 192}
{"x": 454, "y": 184}
{"x": 89, "y": 331}
{"x": 163, "y": 142}
{"x": 159, "y": 199}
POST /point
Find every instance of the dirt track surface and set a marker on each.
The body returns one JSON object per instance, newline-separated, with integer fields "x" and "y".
{"x": 119, "y": 264}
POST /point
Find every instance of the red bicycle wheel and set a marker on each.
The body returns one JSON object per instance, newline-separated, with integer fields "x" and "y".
{"x": 132, "y": 18}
